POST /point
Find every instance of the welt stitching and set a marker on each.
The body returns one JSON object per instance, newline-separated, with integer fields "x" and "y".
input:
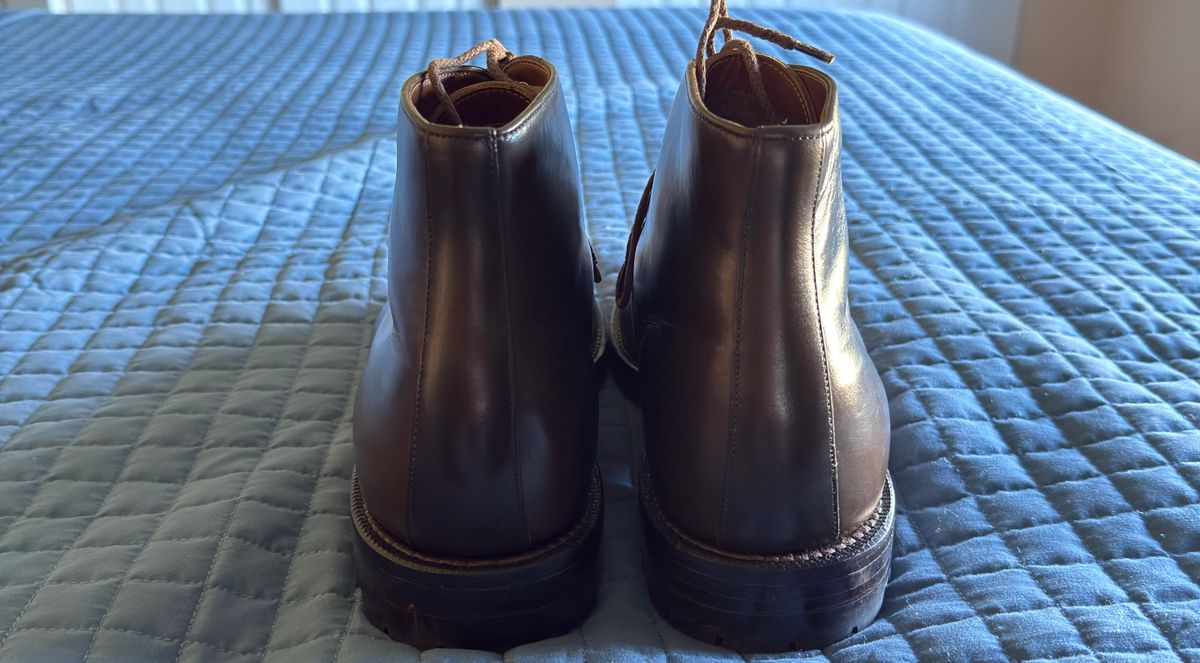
{"x": 735, "y": 388}
{"x": 880, "y": 516}
{"x": 833, "y": 476}
{"x": 599, "y": 332}
{"x": 426, "y": 314}
{"x": 618, "y": 336}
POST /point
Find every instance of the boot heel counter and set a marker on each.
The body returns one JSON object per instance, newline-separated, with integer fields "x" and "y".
{"x": 480, "y": 442}
{"x": 759, "y": 429}
{"x": 781, "y": 487}
{"x": 859, "y": 404}
{"x": 550, "y": 322}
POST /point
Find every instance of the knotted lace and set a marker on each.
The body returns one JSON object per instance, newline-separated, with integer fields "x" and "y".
{"x": 439, "y": 67}
{"x": 719, "y": 19}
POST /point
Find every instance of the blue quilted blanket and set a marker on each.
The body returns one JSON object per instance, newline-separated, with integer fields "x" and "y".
{"x": 193, "y": 210}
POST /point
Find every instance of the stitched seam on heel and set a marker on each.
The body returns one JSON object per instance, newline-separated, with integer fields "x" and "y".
{"x": 833, "y": 477}
{"x": 735, "y": 387}
{"x": 416, "y": 426}
{"x": 515, "y": 442}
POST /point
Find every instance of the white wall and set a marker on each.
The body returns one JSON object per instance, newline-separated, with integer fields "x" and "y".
{"x": 988, "y": 26}
{"x": 1137, "y": 61}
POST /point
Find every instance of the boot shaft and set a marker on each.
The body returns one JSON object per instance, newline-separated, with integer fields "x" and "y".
{"x": 766, "y": 424}
{"x": 475, "y": 423}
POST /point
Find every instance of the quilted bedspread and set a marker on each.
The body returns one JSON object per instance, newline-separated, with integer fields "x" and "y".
{"x": 193, "y": 213}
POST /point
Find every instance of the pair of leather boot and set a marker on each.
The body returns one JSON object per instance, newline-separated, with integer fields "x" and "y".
{"x": 766, "y": 503}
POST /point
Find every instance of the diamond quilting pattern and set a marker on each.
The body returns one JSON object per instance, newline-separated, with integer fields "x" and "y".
{"x": 193, "y": 212}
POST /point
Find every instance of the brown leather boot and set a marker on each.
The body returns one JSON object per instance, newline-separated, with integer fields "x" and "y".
{"x": 767, "y": 504}
{"x": 476, "y": 496}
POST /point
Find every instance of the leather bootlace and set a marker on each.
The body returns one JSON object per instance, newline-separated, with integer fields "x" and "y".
{"x": 719, "y": 20}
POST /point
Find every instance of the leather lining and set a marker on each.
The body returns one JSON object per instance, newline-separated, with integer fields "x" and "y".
{"x": 479, "y": 97}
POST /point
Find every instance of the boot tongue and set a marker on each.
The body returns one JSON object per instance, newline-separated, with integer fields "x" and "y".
{"x": 731, "y": 92}
{"x": 489, "y": 104}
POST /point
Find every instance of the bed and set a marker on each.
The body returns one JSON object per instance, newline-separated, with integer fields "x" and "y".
{"x": 192, "y": 216}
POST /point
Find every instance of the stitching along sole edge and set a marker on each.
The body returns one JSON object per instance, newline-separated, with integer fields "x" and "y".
{"x": 769, "y": 603}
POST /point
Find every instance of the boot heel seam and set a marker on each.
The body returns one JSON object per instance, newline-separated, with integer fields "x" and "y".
{"x": 515, "y": 442}
{"x": 735, "y": 386}
{"x": 425, "y": 314}
{"x": 833, "y": 474}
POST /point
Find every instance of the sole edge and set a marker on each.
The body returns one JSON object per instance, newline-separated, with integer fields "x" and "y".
{"x": 768, "y": 603}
